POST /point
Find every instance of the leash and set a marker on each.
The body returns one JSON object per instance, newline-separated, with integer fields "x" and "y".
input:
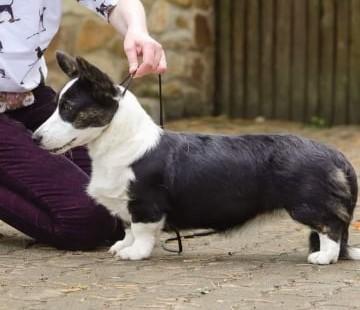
{"x": 126, "y": 84}
{"x": 179, "y": 237}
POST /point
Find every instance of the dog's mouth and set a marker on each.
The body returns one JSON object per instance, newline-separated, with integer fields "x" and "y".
{"x": 58, "y": 150}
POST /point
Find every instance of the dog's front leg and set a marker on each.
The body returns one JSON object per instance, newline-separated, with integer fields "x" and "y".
{"x": 145, "y": 236}
{"x": 122, "y": 244}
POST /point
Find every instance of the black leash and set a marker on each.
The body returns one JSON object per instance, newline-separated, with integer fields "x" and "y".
{"x": 179, "y": 237}
{"x": 126, "y": 84}
{"x": 161, "y": 119}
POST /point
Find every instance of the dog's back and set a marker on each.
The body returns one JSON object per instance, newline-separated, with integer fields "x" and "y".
{"x": 220, "y": 181}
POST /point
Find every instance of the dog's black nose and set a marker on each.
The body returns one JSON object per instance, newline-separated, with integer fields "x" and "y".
{"x": 37, "y": 139}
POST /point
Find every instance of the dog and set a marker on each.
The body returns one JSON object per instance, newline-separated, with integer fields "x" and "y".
{"x": 153, "y": 179}
{"x": 104, "y": 9}
{"x": 7, "y": 8}
{"x": 2, "y": 73}
{"x": 41, "y": 19}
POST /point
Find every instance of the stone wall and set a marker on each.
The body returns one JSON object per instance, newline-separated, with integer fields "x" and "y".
{"x": 184, "y": 27}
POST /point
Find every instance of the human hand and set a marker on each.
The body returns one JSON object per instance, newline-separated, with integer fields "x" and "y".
{"x": 144, "y": 54}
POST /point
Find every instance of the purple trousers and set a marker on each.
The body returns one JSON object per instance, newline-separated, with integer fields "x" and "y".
{"x": 43, "y": 195}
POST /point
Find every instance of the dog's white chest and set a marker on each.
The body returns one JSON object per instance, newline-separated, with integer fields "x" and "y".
{"x": 110, "y": 189}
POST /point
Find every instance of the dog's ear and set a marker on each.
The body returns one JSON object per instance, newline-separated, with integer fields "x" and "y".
{"x": 101, "y": 83}
{"x": 67, "y": 64}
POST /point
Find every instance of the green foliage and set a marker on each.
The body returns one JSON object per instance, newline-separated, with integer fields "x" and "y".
{"x": 318, "y": 122}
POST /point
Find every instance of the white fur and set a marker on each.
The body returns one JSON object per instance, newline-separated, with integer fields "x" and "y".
{"x": 61, "y": 136}
{"x": 129, "y": 136}
{"x": 328, "y": 254}
{"x": 66, "y": 87}
{"x": 145, "y": 236}
{"x": 119, "y": 245}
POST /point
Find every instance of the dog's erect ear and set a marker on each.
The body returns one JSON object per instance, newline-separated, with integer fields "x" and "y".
{"x": 67, "y": 64}
{"x": 100, "y": 81}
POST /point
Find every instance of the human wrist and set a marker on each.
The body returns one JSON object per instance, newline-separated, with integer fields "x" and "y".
{"x": 129, "y": 16}
{"x": 138, "y": 29}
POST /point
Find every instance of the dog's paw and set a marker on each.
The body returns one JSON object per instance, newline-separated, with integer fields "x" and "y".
{"x": 322, "y": 258}
{"x": 117, "y": 247}
{"x": 133, "y": 253}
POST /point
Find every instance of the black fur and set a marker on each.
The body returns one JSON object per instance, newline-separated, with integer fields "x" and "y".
{"x": 220, "y": 182}
{"x": 8, "y": 8}
{"x": 90, "y": 101}
{"x": 2, "y": 73}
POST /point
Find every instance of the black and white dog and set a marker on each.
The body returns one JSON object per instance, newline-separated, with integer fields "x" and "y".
{"x": 152, "y": 178}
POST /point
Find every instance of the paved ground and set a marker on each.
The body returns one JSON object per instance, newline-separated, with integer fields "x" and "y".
{"x": 212, "y": 273}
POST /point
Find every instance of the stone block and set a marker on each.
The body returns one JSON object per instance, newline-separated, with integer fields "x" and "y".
{"x": 107, "y": 62}
{"x": 182, "y": 3}
{"x": 203, "y": 4}
{"x": 203, "y": 36}
{"x": 159, "y": 17}
{"x": 93, "y": 34}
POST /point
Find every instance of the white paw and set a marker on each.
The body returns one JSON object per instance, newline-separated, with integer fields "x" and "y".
{"x": 134, "y": 253}
{"x": 322, "y": 258}
{"x": 117, "y": 247}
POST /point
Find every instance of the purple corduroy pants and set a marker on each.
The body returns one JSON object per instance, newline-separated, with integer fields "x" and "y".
{"x": 43, "y": 195}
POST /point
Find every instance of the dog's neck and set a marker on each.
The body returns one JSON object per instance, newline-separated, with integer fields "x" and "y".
{"x": 128, "y": 137}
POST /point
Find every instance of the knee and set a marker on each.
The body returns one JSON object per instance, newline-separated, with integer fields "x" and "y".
{"x": 11, "y": 128}
{"x": 85, "y": 230}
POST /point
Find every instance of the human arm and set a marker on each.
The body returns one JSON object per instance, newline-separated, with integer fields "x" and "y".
{"x": 129, "y": 19}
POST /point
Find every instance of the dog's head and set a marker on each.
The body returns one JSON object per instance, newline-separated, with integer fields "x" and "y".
{"x": 85, "y": 107}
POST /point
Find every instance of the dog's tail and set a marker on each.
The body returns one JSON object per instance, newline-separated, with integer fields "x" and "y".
{"x": 347, "y": 251}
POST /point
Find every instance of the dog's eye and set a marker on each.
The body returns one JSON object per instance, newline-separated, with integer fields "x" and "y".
{"x": 67, "y": 107}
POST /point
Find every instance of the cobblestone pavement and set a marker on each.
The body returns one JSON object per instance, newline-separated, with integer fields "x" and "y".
{"x": 213, "y": 272}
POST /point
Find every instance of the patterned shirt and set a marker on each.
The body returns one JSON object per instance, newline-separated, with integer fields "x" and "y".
{"x": 26, "y": 29}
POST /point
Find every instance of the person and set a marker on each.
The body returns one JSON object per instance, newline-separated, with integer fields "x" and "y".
{"x": 43, "y": 195}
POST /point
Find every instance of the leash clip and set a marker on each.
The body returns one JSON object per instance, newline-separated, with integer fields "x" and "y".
{"x": 127, "y": 82}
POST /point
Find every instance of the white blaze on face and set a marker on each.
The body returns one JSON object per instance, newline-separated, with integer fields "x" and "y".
{"x": 66, "y": 87}
{"x": 55, "y": 133}
{"x": 59, "y": 136}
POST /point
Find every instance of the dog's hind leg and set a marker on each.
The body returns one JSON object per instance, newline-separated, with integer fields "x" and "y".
{"x": 145, "y": 236}
{"x": 327, "y": 230}
{"x": 122, "y": 244}
{"x": 314, "y": 242}
{"x": 328, "y": 253}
